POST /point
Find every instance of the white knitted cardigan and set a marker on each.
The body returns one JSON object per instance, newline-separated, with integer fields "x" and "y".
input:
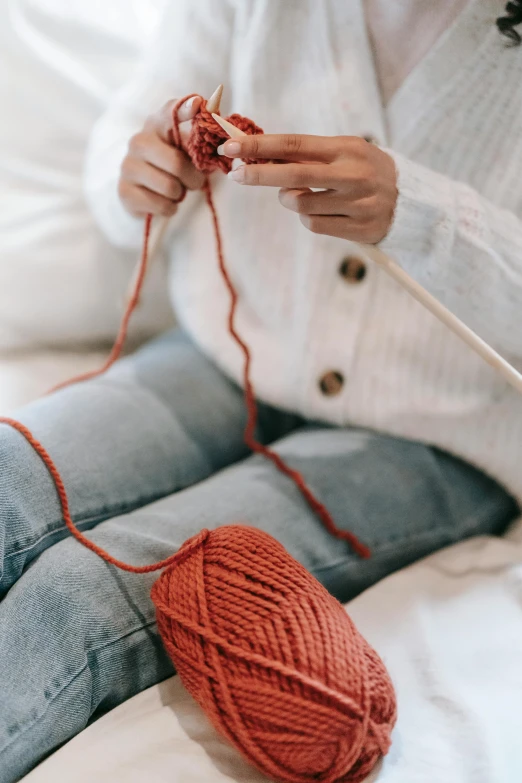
{"x": 454, "y": 129}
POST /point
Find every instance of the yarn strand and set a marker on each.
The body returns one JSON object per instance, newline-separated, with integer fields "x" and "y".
{"x": 121, "y": 338}
{"x": 251, "y": 405}
{"x": 202, "y": 149}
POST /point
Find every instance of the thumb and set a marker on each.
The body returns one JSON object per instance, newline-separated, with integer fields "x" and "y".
{"x": 189, "y": 109}
{"x": 162, "y": 121}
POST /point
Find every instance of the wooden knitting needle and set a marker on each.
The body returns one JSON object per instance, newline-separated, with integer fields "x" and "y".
{"x": 482, "y": 348}
{"x": 233, "y": 132}
{"x": 214, "y": 102}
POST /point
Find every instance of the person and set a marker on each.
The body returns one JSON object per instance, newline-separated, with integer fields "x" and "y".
{"x": 399, "y": 124}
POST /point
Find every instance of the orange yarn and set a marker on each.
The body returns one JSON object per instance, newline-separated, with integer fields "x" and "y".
{"x": 271, "y": 657}
{"x": 205, "y": 138}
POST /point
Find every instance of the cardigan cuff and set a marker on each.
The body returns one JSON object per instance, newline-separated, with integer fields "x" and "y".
{"x": 424, "y": 221}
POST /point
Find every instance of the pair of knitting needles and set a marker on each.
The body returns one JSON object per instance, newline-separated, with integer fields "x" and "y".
{"x": 476, "y": 343}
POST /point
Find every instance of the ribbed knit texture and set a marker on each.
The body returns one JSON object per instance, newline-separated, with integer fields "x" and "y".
{"x": 455, "y": 131}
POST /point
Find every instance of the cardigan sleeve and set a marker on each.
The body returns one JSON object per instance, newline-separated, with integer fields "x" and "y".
{"x": 188, "y": 54}
{"x": 463, "y": 249}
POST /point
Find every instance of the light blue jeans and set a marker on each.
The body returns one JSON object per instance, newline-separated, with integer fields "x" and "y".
{"x": 151, "y": 453}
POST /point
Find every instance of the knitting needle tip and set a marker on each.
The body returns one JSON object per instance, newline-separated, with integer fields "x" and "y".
{"x": 214, "y": 101}
{"x": 233, "y": 132}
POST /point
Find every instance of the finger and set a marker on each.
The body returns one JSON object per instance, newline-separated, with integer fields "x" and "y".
{"x": 173, "y": 161}
{"x": 188, "y": 110}
{"x": 162, "y": 121}
{"x": 327, "y": 202}
{"x": 144, "y": 174}
{"x": 291, "y": 147}
{"x": 185, "y": 130}
{"x": 140, "y": 202}
{"x": 290, "y": 175}
{"x": 186, "y": 172}
{"x": 342, "y": 227}
{"x": 308, "y": 202}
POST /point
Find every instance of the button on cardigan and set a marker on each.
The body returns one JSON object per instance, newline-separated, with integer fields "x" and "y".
{"x": 454, "y": 129}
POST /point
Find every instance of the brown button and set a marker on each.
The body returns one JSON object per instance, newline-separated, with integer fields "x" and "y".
{"x": 352, "y": 269}
{"x": 331, "y": 383}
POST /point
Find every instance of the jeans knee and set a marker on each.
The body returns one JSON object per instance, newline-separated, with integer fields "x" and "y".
{"x": 30, "y": 516}
{"x": 82, "y": 595}
{"x": 12, "y": 485}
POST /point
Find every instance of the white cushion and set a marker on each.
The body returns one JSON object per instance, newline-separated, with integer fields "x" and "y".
{"x": 61, "y": 283}
{"x": 26, "y": 376}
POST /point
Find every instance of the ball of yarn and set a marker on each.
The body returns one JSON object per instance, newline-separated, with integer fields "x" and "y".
{"x": 206, "y": 136}
{"x": 273, "y": 659}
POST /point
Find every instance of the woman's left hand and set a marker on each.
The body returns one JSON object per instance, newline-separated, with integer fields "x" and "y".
{"x": 358, "y": 181}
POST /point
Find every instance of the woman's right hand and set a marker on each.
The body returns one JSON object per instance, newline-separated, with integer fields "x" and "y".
{"x": 154, "y": 173}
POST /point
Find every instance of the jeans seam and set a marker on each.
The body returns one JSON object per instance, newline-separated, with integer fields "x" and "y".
{"x": 465, "y": 529}
{"x": 102, "y": 515}
{"x": 69, "y": 682}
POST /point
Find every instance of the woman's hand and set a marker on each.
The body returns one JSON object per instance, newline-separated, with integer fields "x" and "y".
{"x": 154, "y": 173}
{"x": 358, "y": 181}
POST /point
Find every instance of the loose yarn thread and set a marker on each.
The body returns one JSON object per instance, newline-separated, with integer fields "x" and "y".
{"x": 272, "y": 658}
{"x": 205, "y": 138}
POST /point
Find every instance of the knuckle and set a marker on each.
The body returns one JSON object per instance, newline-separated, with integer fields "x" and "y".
{"x": 131, "y": 170}
{"x": 137, "y": 144}
{"x": 359, "y": 147}
{"x": 370, "y": 208}
{"x": 253, "y": 146}
{"x": 364, "y": 209}
{"x": 292, "y": 144}
{"x": 173, "y": 189}
{"x": 300, "y": 179}
{"x": 340, "y": 145}
{"x": 363, "y": 180}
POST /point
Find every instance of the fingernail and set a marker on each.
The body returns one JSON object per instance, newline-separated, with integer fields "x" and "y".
{"x": 231, "y": 148}
{"x": 221, "y": 149}
{"x": 190, "y": 102}
{"x": 238, "y": 175}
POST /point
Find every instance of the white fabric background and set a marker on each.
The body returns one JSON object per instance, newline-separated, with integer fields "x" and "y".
{"x": 61, "y": 283}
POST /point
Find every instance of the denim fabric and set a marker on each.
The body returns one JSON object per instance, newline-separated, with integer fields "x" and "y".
{"x": 150, "y": 453}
